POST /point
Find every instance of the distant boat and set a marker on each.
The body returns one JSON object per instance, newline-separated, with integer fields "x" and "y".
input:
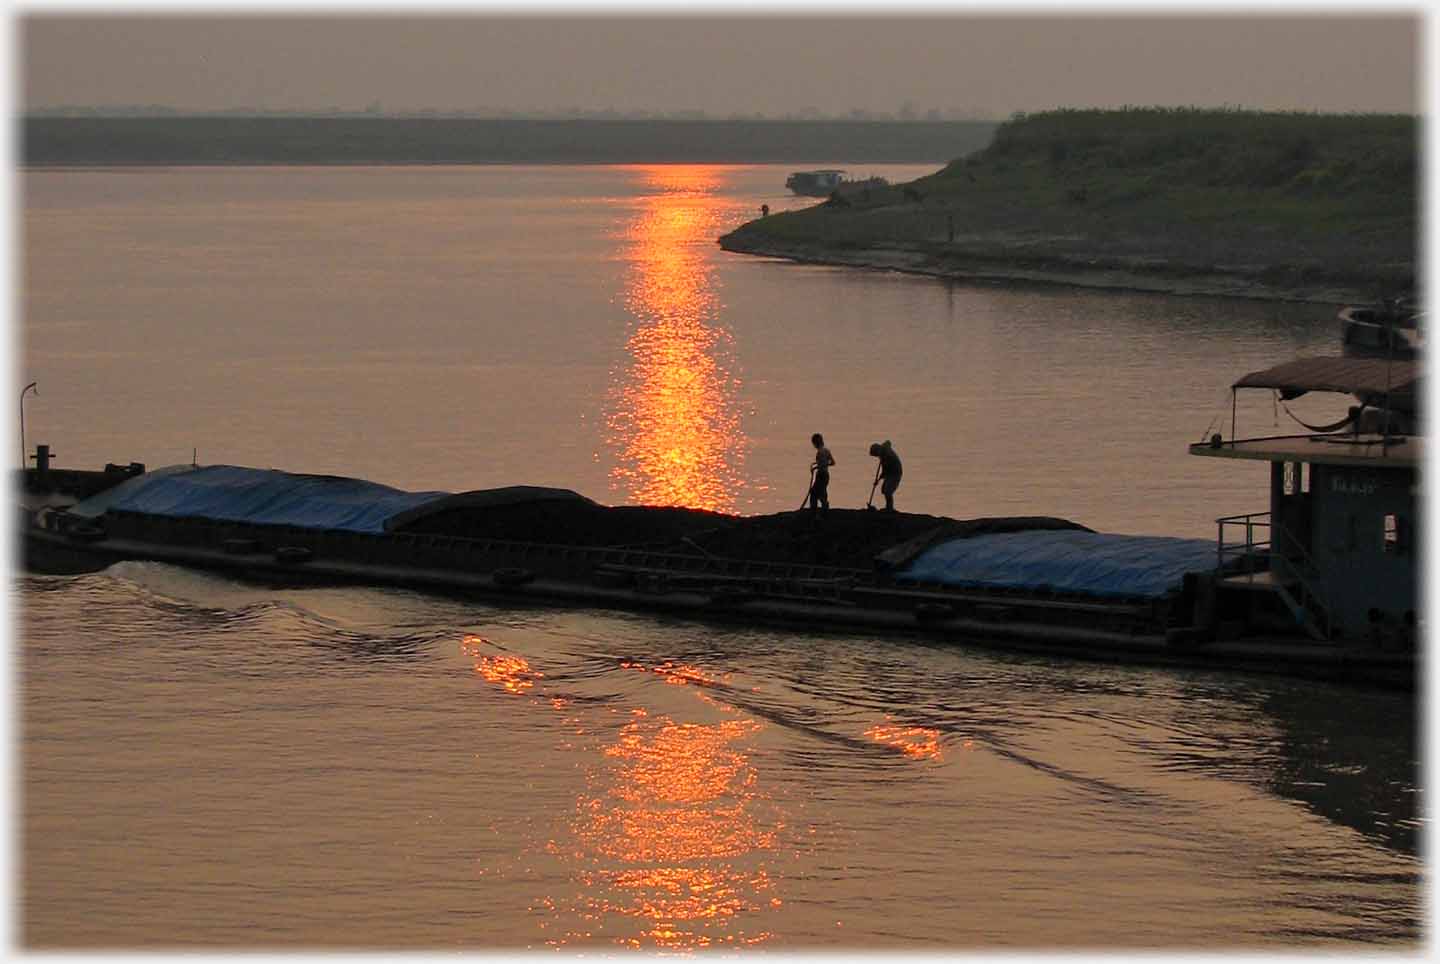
{"x": 824, "y": 182}
{"x": 1391, "y": 330}
{"x": 814, "y": 183}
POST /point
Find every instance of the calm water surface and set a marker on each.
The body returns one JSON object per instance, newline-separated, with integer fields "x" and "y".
{"x": 206, "y": 763}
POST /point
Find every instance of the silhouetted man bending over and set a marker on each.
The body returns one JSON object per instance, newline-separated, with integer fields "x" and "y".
{"x": 890, "y": 471}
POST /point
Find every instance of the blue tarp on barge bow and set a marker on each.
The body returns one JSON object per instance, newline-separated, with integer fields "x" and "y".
{"x": 1069, "y": 561}
{"x": 267, "y": 496}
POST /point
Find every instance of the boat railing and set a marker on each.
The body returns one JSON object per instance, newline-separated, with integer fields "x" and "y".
{"x": 1243, "y": 557}
{"x": 1253, "y": 559}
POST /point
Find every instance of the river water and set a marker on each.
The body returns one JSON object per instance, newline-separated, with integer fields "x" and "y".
{"x": 209, "y": 764}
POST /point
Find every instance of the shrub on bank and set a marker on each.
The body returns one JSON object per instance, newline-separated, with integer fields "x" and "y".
{"x": 1253, "y": 150}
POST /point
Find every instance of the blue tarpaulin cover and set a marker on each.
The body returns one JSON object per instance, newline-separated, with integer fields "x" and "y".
{"x": 1092, "y": 563}
{"x": 267, "y": 496}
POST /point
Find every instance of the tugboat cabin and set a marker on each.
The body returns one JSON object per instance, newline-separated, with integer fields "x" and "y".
{"x": 1339, "y": 547}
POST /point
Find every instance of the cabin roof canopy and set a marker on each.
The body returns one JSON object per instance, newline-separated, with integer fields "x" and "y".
{"x": 1370, "y": 379}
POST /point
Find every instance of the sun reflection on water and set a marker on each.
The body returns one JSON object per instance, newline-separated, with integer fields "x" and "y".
{"x": 673, "y": 419}
{"x": 916, "y": 741}
{"x": 676, "y": 831}
{"x": 670, "y": 845}
{"x": 512, "y": 673}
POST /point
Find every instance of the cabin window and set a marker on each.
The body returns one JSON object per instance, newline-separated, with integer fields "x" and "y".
{"x": 1297, "y": 478}
{"x": 1392, "y": 532}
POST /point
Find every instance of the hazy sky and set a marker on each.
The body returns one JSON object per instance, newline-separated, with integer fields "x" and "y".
{"x": 770, "y": 64}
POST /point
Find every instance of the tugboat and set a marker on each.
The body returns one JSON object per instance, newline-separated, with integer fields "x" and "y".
{"x": 1338, "y": 551}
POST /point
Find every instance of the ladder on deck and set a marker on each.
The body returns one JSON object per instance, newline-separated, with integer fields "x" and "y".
{"x": 1293, "y": 589}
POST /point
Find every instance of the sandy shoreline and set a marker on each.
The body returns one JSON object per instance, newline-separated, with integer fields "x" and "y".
{"x": 1001, "y": 264}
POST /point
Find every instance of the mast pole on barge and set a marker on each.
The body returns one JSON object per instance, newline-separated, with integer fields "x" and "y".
{"x": 23, "y": 392}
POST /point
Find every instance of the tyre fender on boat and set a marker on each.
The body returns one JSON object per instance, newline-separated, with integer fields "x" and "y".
{"x": 511, "y": 577}
{"x": 85, "y": 532}
{"x": 293, "y": 555}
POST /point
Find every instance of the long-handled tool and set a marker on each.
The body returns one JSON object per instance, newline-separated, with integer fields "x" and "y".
{"x": 810, "y": 491}
{"x": 870, "y": 502}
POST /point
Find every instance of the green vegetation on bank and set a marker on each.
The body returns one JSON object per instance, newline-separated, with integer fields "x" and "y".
{"x": 1284, "y": 199}
{"x": 94, "y": 141}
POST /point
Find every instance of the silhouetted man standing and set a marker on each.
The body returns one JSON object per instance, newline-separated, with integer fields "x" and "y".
{"x": 820, "y": 484}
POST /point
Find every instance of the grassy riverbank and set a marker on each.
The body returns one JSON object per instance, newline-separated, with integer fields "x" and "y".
{"x": 1270, "y": 205}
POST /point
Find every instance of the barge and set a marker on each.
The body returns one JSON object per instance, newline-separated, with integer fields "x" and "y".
{"x": 1323, "y": 584}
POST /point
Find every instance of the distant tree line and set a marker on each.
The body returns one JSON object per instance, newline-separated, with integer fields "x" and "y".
{"x": 907, "y": 113}
{"x": 238, "y": 139}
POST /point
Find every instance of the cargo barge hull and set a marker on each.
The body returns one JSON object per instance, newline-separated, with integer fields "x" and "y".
{"x": 699, "y": 586}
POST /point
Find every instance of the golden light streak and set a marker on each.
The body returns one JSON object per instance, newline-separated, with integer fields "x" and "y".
{"x": 675, "y": 833}
{"x": 671, "y": 840}
{"x": 917, "y": 741}
{"x": 512, "y": 673}
{"x": 681, "y": 675}
{"x": 673, "y": 420}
